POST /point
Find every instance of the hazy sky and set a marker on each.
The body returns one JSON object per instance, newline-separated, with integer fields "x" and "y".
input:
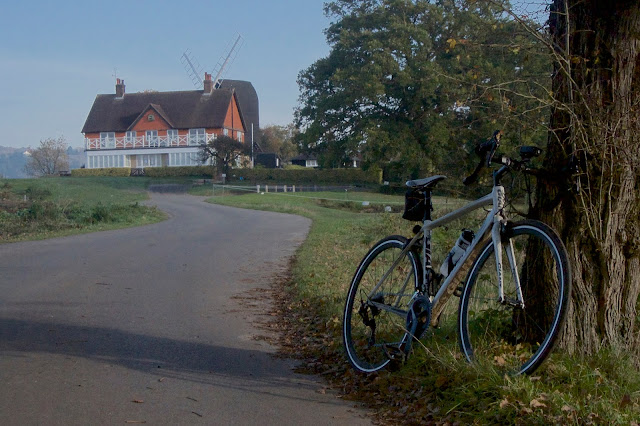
{"x": 56, "y": 56}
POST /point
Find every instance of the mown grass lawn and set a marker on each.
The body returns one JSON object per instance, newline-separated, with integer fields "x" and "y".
{"x": 436, "y": 385}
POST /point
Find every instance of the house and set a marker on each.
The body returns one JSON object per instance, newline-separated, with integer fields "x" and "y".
{"x": 305, "y": 160}
{"x": 269, "y": 160}
{"x": 153, "y": 129}
{"x": 355, "y": 161}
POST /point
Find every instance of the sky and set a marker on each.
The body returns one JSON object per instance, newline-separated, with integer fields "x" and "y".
{"x": 56, "y": 56}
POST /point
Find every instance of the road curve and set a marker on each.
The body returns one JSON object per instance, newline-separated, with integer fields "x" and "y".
{"x": 154, "y": 325}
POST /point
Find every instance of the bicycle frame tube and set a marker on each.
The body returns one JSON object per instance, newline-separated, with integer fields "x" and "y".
{"x": 432, "y": 224}
{"x": 489, "y": 199}
{"x": 491, "y": 228}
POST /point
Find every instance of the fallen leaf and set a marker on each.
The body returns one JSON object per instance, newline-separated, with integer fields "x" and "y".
{"x": 138, "y": 401}
{"x": 536, "y": 404}
{"x": 626, "y": 400}
{"x": 504, "y": 403}
{"x": 441, "y": 381}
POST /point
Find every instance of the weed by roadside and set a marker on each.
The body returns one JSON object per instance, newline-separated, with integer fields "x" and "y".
{"x": 43, "y": 208}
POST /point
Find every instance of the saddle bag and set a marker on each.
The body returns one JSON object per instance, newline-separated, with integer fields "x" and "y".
{"x": 417, "y": 204}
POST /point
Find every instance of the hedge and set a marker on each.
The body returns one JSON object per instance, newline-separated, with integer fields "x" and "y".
{"x": 307, "y": 176}
{"x": 257, "y": 175}
{"x": 114, "y": 171}
{"x": 182, "y": 171}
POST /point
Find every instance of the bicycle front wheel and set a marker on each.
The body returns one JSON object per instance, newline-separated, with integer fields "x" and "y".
{"x": 375, "y": 314}
{"x": 516, "y": 335}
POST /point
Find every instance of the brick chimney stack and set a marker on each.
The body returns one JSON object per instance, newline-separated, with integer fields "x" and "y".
{"x": 208, "y": 84}
{"x": 119, "y": 88}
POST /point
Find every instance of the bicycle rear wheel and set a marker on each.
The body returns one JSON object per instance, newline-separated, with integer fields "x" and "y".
{"x": 374, "y": 322}
{"x": 508, "y": 336}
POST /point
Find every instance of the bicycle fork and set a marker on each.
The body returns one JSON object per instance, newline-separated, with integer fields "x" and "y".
{"x": 498, "y": 233}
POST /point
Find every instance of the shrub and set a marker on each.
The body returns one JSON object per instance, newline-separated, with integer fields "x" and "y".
{"x": 113, "y": 171}
{"x": 100, "y": 213}
{"x": 184, "y": 171}
{"x": 307, "y": 176}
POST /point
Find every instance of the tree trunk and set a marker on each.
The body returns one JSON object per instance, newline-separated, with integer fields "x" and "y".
{"x": 595, "y": 125}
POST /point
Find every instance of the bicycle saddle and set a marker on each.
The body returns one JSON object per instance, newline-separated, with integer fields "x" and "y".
{"x": 425, "y": 183}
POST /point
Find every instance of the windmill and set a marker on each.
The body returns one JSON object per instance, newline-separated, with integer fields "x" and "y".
{"x": 194, "y": 69}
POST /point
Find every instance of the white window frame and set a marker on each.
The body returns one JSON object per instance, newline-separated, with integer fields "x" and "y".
{"x": 152, "y": 137}
{"x": 197, "y": 136}
{"x": 172, "y": 137}
{"x": 240, "y": 137}
{"x": 131, "y": 135}
{"x": 107, "y": 139}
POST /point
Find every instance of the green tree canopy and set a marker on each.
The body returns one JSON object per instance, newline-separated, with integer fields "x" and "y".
{"x": 225, "y": 152}
{"x": 412, "y": 85}
{"x": 279, "y": 140}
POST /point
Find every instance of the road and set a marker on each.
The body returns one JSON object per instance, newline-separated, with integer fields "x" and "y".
{"x": 155, "y": 325}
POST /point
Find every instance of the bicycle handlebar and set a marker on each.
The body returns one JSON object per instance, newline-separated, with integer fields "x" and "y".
{"x": 486, "y": 150}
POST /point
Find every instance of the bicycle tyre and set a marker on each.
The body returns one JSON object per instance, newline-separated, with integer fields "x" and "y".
{"x": 371, "y": 334}
{"x": 515, "y": 339}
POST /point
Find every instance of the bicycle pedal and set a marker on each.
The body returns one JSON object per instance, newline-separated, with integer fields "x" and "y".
{"x": 458, "y": 291}
{"x": 395, "y": 354}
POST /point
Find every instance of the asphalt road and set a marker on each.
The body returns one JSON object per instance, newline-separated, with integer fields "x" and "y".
{"x": 154, "y": 325}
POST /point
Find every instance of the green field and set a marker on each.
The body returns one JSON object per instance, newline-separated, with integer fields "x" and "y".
{"x": 50, "y": 207}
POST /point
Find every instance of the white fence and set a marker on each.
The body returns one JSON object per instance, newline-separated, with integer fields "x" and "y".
{"x": 130, "y": 142}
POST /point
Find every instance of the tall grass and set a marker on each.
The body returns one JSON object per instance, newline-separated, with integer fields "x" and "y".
{"x": 43, "y": 208}
{"x": 436, "y": 384}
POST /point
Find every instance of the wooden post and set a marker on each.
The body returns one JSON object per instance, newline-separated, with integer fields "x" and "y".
{"x": 258, "y": 189}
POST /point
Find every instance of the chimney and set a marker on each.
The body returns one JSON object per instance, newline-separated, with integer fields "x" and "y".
{"x": 119, "y": 88}
{"x": 208, "y": 84}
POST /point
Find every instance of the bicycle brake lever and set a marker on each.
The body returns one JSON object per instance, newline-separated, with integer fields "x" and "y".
{"x": 486, "y": 150}
{"x": 474, "y": 176}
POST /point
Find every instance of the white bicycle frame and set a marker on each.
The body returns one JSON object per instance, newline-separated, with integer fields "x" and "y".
{"x": 491, "y": 228}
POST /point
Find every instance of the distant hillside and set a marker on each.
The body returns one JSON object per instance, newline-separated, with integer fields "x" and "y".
{"x": 13, "y": 160}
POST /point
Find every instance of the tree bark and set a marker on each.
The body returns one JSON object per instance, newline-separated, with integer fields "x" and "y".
{"x": 595, "y": 126}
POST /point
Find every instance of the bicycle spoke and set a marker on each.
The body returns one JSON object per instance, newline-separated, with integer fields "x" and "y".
{"x": 511, "y": 336}
{"x": 375, "y": 321}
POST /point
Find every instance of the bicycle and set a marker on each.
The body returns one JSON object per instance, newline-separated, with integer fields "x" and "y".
{"x": 510, "y": 320}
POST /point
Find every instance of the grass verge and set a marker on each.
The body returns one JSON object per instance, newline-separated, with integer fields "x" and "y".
{"x": 32, "y": 209}
{"x": 436, "y": 385}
